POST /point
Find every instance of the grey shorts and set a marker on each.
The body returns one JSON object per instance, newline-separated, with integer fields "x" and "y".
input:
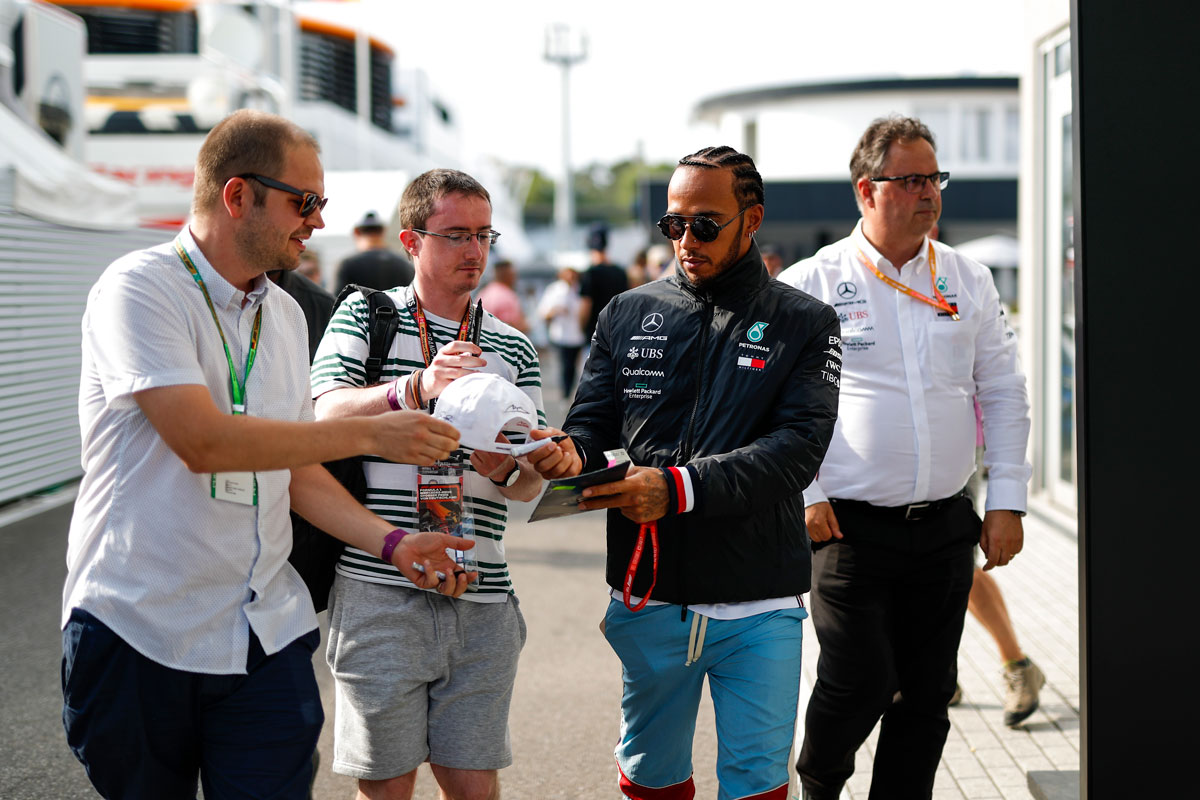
{"x": 420, "y": 677}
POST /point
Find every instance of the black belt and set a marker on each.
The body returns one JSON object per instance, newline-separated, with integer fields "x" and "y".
{"x": 910, "y": 513}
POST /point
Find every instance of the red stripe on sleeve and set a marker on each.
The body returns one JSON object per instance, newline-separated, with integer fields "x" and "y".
{"x": 680, "y": 490}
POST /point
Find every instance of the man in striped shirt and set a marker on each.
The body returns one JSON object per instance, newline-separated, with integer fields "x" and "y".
{"x": 422, "y": 677}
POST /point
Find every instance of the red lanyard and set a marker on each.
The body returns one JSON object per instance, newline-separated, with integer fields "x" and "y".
{"x": 636, "y": 558}
{"x": 940, "y": 302}
{"x": 423, "y": 328}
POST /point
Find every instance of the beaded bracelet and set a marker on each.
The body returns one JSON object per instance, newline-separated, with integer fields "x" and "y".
{"x": 415, "y": 381}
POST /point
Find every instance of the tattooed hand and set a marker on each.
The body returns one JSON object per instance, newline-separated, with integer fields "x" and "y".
{"x": 641, "y": 496}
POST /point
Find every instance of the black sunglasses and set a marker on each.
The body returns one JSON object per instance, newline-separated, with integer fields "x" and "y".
{"x": 703, "y": 228}
{"x": 309, "y": 201}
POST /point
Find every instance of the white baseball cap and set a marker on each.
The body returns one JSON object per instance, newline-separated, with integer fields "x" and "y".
{"x": 481, "y": 405}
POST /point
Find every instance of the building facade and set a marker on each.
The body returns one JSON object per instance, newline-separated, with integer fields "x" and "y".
{"x": 801, "y": 138}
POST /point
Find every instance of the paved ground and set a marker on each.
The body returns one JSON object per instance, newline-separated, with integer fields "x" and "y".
{"x": 564, "y": 716}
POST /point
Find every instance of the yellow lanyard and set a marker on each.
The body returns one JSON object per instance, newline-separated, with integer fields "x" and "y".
{"x": 237, "y": 389}
{"x": 939, "y": 302}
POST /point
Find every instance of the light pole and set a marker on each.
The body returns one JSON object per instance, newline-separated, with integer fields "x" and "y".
{"x": 566, "y": 50}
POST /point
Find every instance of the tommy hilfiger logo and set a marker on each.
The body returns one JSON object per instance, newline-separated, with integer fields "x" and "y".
{"x": 745, "y": 362}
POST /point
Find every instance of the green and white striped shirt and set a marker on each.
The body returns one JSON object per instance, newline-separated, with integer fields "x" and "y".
{"x": 391, "y": 487}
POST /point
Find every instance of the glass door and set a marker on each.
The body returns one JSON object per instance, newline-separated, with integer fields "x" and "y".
{"x": 1058, "y": 397}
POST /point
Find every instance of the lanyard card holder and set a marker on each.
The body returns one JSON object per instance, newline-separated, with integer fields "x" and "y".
{"x": 441, "y": 508}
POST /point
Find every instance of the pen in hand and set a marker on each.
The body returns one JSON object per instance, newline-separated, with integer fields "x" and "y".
{"x": 440, "y": 575}
{"x": 534, "y": 444}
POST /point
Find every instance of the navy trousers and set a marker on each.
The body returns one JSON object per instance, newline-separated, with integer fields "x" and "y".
{"x": 145, "y": 731}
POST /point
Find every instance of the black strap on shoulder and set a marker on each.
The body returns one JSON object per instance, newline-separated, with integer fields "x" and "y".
{"x": 382, "y": 323}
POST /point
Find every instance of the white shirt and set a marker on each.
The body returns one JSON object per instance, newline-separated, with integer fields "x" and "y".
{"x": 179, "y": 576}
{"x": 562, "y": 300}
{"x": 906, "y": 421}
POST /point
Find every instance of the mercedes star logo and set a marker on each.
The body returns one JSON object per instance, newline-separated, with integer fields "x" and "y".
{"x": 652, "y": 322}
{"x": 846, "y": 290}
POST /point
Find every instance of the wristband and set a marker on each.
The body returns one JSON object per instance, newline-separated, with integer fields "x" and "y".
{"x": 415, "y": 382}
{"x": 402, "y": 394}
{"x": 393, "y": 401}
{"x": 681, "y": 491}
{"x": 672, "y": 492}
{"x": 389, "y": 544}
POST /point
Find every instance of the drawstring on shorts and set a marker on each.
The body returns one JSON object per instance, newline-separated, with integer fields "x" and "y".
{"x": 696, "y": 638}
{"x": 437, "y": 624}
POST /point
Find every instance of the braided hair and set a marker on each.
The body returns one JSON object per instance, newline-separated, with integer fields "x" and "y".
{"x": 747, "y": 183}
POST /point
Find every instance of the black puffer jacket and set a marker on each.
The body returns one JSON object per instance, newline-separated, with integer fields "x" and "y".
{"x": 737, "y": 382}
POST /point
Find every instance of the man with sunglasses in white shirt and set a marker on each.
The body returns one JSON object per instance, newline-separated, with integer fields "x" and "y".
{"x": 721, "y": 386}
{"x": 422, "y": 677}
{"x": 187, "y": 635}
{"x": 923, "y": 333}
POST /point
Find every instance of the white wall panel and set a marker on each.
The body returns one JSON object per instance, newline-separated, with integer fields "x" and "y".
{"x": 46, "y": 271}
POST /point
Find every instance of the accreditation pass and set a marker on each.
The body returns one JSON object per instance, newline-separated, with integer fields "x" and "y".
{"x": 235, "y": 487}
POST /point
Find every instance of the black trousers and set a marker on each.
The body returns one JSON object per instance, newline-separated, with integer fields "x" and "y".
{"x": 888, "y": 603}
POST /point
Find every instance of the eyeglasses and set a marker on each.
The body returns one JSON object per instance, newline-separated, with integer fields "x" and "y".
{"x": 309, "y": 201}
{"x": 485, "y": 238}
{"x": 703, "y": 228}
{"x": 913, "y": 184}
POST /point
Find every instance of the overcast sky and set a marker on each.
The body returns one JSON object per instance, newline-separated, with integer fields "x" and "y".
{"x": 649, "y": 62}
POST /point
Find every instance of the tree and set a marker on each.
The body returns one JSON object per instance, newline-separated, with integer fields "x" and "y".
{"x": 603, "y": 193}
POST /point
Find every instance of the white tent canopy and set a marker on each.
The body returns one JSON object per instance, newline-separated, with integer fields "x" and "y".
{"x": 52, "y": 186}
{"x": 998, "y": 250}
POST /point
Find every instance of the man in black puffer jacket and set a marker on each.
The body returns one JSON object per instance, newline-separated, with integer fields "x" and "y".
{"x": 721, "y": 384}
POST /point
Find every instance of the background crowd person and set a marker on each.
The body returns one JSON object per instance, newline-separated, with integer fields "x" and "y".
{"x": 660, "y": 261}
{"x": 715, "y": 487}
{"x": 559, "y": 307}
{"x": 1023, "y": 679}
{"x": 601, "y": 282}
{"x": 893, "y": 526}
{"x": 638, "y": 271}
{"x": 500, "y": 296}
{"x": 310, "y": 267}
{"x": 187, "y": 635}
{"x": 315, "y": 302}
{"x": 421, "y": 677}
{"x": 374, "y": 266}
{"x": 772, "y": 260}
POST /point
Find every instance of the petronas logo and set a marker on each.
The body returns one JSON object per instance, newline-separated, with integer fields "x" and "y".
{"x": 755, "y": 334}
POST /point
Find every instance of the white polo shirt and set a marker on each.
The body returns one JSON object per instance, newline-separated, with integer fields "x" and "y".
{"x": 906, "y": 421}
{"x": 180, "y": 576}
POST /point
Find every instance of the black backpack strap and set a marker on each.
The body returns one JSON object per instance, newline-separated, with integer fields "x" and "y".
{"x": 383, "y": 320}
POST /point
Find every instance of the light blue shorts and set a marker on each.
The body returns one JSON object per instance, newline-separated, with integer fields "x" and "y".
{"x": 753, "y": 668}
